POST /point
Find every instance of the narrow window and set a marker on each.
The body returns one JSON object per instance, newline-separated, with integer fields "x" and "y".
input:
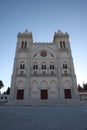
{"x": 60, "y": 44}
{"x": 22, "y": 44}
{"x": 64, "y": 46}
{"x": 25, "y": 44}
{"x": 51, "y": 67}
{"x": 22, "y": 66}
{"x": 44, "y": 67}
{"x": 36, "y": 67}
{"x": 64, "y": 66}
{"x": 33, "y": 67}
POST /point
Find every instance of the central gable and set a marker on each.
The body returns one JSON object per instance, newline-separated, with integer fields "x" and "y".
{"x": 43, "y": 51}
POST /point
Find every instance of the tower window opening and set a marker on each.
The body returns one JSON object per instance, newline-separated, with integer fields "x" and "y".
{"x": 64, "y": 46}
{"x": 24, "y": 44}
{"x": 65, "y": 66}
{"x": 61, "y": 44}
{"x": 22, "y": 66}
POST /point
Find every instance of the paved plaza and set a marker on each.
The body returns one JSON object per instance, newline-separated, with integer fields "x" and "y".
{"x": 43, "y": 117}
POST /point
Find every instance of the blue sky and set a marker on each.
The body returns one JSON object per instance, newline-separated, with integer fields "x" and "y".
{"x": 43, "y": 18}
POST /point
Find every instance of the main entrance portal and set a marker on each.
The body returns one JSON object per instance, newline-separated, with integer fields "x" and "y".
{"x": 44, "y": 94}
{"x": 67, "y": 93}
{"x": 20, "y": 94}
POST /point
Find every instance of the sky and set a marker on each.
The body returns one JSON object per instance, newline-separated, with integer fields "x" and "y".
{"x": 43, "y": 18}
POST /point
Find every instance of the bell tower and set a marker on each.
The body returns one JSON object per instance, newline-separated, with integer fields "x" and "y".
{"x": 21, "y": 69}
{"x": 65, "y": 67}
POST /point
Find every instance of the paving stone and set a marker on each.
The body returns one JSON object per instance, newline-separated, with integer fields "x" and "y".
{"x": 43, "y": 117}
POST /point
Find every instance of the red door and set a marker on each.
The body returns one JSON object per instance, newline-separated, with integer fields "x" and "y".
{"x": 44, "y": 94}
{"x": 67, "y": 93}
{"x": 20, "y": 94}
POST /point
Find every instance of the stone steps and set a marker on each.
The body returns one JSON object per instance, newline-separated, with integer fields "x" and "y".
{"x": 44, "y": 102}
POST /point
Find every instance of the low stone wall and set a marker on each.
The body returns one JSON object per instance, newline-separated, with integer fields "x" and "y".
{"x": 4, "y": 98}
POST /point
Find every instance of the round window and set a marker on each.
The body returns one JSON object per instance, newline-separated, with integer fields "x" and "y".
{"x": 43, "y": 53}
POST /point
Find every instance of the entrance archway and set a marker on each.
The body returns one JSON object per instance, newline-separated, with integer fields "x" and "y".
{"x": 67, "y": 90}
{"x": 20, "y": 94}
{"x": 44, "y": 94}
{"x": 44, "y": 90}
{"x": 67, "y": 93}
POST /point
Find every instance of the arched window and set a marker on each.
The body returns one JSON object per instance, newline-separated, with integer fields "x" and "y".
{"x": 62, "y": 44}
{"x": 22, "y": 66}
{"x": 43, "y": 67}
{"x": 35, "y": 66}
{"x": 65, "y": 66}
{"x": 24, "y": 44}
{"x": 52, "y": 66}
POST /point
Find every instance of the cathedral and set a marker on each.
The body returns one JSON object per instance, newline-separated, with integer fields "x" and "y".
{"x": 43, "y": 71}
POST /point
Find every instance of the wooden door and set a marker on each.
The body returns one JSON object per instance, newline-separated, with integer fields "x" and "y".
{"x": 44, "y": 94}
{"x": 67, "y": 93}
{"x": 20, "y": 94}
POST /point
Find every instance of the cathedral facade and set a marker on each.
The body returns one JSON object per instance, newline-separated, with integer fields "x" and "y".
{"x": 43, "y": 71}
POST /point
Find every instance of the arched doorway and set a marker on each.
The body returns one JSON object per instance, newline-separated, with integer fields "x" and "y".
{"x": 67, "y": 90}
{"x": 20, "y": 90}
{"x": 67, "y": 93}
{"x": 44, "y": 91}
{"x": 44, "y": 94}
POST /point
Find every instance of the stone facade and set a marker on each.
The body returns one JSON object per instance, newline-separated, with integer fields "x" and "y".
{"x": 43, "y": 71}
